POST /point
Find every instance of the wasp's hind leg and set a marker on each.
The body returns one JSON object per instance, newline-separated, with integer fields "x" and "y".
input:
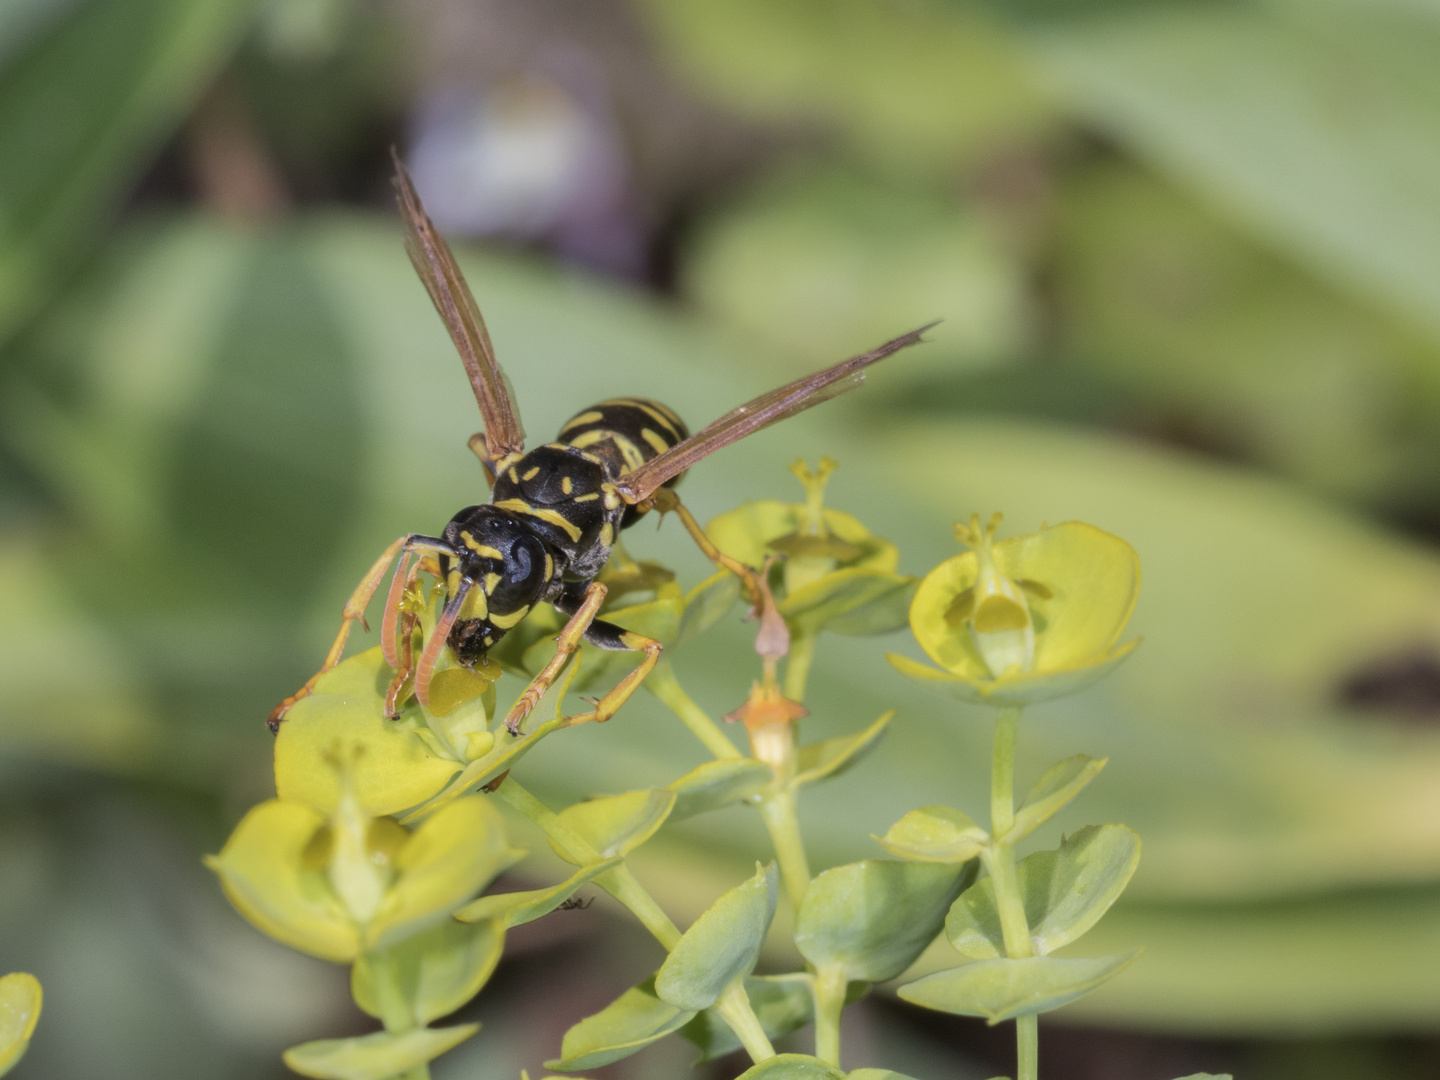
{"x": 355, "y": 610}
{"x": 581, "y": 607}
{"x": 667, "y": 502}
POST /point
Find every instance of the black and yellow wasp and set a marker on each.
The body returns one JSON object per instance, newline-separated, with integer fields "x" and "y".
{"x": 554, "y": 512}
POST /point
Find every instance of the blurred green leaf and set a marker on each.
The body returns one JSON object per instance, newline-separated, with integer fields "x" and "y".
{"x": 518, "y": 908}
{"x": 1004, "y": 989}
{"x": 1245, "y": 349}
{"x": 1065, "y": 893}
{"x": 875, "y": 1074}
{"x": 782, "y": 1004}
{"x": 436, "y": 972}
{"x": 792, "y": 1067}
{"x": 921, "y": 87}
{"x": 1312, "y": 122}
{"x": 80, "y": 112}
{"x": 873, "y": 918}
{"x": 1061, "y": 783}
{"x": 718, "y": 783}
{"x": 631, "y": 1022}
{"x": 935, "y": 834}
{"x": 375, "y": 1057}
{"x": 824, "y": 265}
{"x": 617, "y": 824}
{"x": 722, "y": 945}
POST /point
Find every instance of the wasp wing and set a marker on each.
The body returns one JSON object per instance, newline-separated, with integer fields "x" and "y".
{"x": 456, "y": 305}
{"x": 779, "y": 404}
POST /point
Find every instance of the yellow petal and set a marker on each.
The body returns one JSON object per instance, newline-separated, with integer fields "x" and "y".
{"x": 265, "y": 871}
{"x": 1094, "y": 581}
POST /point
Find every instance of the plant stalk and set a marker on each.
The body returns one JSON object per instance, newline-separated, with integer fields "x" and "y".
{"x": 797, "y": 665}
{"x": 665, "y": 686}
{"x": 829, "y": 989}
{"x": 999, "y": 859}
{"x": 778, "y": 810}
{"x": 735, "y": 1009}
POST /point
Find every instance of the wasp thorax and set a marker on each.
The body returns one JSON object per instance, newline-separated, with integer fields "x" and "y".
{"x": 504, "y": 570}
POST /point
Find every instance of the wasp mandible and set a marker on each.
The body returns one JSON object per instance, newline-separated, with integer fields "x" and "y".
{"x": 554, "y": 512}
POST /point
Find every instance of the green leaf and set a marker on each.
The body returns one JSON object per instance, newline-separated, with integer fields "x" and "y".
{"x": 876, "y": 1074}
{"x": 631, "y": 1022}
{"x": 718, "y": 783}
{"x": 122, "y": 77}
{"x": 517, "y": 908}
{"x": 1208, "y": 1076}
{"x": 830, "y": 757}
{"x": 846, "y": 593}
{"x": 20, "y": 999}
{"x": 792, "y": 1067}
{"x": 1238, "y": 101}
{"x": 1061, "y": 783}
{"x": 1004, "y": 989}
{"x": 453, "y": 855}
{"x": 890, "y": 610}
{"x": 721, "y": 945}
{"x": 782, "y": 1004}
{"x": 394, "y": 768}
{"x": 907, "y": 89}
{"x": 935, "y": 834}
{"x": 1065, "y": 893}
{"x": 706, "y": 604}
{"x": 873, "y": 918}
{"x": 380, "y": 1056}
{"x": 436, "y": 971}
{"x": 265, "y": 873}
{"x": 618, "y": 824}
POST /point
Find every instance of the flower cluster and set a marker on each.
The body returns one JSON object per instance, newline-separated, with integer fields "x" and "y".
{"x": 385, "y": 833}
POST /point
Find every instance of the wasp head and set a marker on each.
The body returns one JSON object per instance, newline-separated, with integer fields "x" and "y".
{"x": 504, "y": 569}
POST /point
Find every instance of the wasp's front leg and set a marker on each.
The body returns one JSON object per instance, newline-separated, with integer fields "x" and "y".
{"x": 355, "y": 610}
{"x": 581, "y": 608}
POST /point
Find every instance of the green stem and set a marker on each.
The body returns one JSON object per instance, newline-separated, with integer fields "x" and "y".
{"x": 619, "y": 883}
{"x": 797, "y": 665}
{"x": 395, "y": 1010}
{"x": 622, "y": 884}
{"x": 778, "y": 810}
{"x": 1002, "y": 773}
{"x": 830, "y": 986}
{"x": 663, "y": 684}
{"x": 999, "y": 859}
{"x": 734, "y": 1005}
{"x": 1027, "y": 1046}
{"x": 735, "y": 1009}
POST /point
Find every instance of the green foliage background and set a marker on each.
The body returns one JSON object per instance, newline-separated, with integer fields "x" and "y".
{"x": 1188, "y": 256}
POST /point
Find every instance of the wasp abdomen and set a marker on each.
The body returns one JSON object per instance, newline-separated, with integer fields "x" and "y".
{"x": 625, "y": 433}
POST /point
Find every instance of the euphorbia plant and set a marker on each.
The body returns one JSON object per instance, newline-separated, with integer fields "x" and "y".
{"x": 385, "y": 833}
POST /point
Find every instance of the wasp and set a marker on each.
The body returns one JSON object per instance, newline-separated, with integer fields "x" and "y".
{"x": 554, "y": 512}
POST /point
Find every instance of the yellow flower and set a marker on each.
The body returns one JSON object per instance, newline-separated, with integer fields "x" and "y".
{"x": 338, "y": 886}
{"x": 1027, "y": 619}
{"x": 836, "y": 574}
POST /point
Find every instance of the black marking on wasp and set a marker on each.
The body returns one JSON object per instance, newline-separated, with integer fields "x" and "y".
{"x": 554, "y": 512}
